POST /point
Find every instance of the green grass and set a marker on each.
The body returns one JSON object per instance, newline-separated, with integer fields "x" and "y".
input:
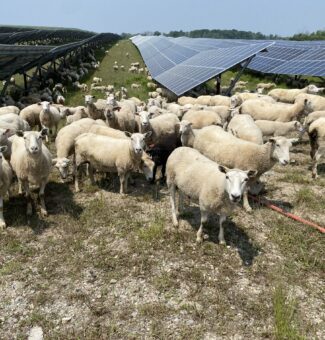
{"x": 284, "y": 316}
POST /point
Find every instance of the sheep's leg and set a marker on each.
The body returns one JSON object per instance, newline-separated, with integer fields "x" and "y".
{"x": 126, "y": 182}
{"x": 246, "y": 205}
{"x": 29, "y": 211}
{"x": 221, "y": 236}
{"x": 122, "y": 183}
{"x": 2, "y": 221}
{"x": 204, "y": 219}
{"x": 41, "y": 197}
{"x": 180, "y": 201}
{"x": 20, "y": 187}
{"x": 172, "y": 191}
{"x": 314, "y": 165}
{"x": 91, "y": 174}
{"x": 76, "y": 178}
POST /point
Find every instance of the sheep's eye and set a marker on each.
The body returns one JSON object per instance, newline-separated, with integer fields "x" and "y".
{"x": 278, "y": 145}
{"x": 227, "y": 177}
{"x": 246, "y": 179}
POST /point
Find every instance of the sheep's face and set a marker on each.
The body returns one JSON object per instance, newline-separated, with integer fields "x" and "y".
{"x": 281, "y": 149}
{"x": 145, "y": 118}
{"x": 45, "y": 106}
{"x": 236, "y": 182}
{"x": 185, "y": 127}
{"x": 298, "y": 126}
{"x": 4, "y": 134}
{"x": 62, "y": 164}
{"x": 89, "y": 99}
{"x": 147, "y": 166}
{"x": 33, "y": 140}
{"x": 234, "y": 101}
{"x": 312, "y": 89}
{"x": 109, "y": 112}
{"x": 138, "y": 141}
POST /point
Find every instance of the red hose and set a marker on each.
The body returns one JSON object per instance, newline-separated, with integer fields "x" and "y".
{"x": 287, "y": 214}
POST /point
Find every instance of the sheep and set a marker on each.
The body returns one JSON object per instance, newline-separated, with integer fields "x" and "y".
{"x": 265, "y": 86}
{"x": 316, "y": 134}
{"x": 186, "y": 100}
{"x": 165, "y": 129}
{"x": 97, "y": 80}
{"x": 49, "y": 118}
{"x": 226, "y": 149}
{"x": 203, "y": 100}
{"x": 238, "y": 98}
{"x": 76, "y": 116}
{"x": 244, "y": 127}
{"x": 6, "y": 140}
{"x": 175, "y": 109}
{"x": 311, "y": 117}
{"x": 127, "y": 54}
{"x": 123, "y": 120}
{"x": 200, "y": 119}
{"x": 31, "y": 114}
{"x": 151, "y": 85}
{"x": 133, "y": 69}
{"x": 316, "y": 103}
{"x": 31, "y": 161}
{"x": 115, "y": 67}
{"x": 135, "y": 86}
{"x": 110, "y": 155}
{"x": 273, "y": 128}
{"x": 149, "y": 78}
{"x": 5, "y": 182}
{"x": 218, "y": 100}
{"x": 64, "y": 142}
{"x": 122, "y": 67}
{"x": 289, "y": 96}
{"x": 223, "y": 111}
{"x": 261, "y": 110}
{"x": 9, "y": 109}
{"x": 83, "y": 87}
{"x": 68, "y": 111}
{"x": 216, "y": 187}
{"x": 94, "y": 110}
{"x": 187, "y": 133}
{"x": 13, "y": 122}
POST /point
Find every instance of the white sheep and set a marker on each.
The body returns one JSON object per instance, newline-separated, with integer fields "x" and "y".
{"x": 238, "y": 98}
{"x": 13, "y": 122}
{"x": 224, "y": 148}
{"x": 315, "y": 102}
{"x": 5, "y": 182}
{"x": 97, "y": 80}
{"x": 50, "y": 118}
{"x": 316, "y": 134}
{"x": 187, "y": 133}
{"x": 9, "y": 109}
{"x": 31, "y": 114}
{"x": 244, "y": 127}
{"x": 215, "y": 187}
{"x": 201, "y": 118}
{"x": 31, "y": 161}
{"x": 261, "y": 110}
{"x": 218, "y": 100}
{"x": 289, "y": 96}
{"x": 110, "y": 155}
{"x": 135, "y": 86}
{"x": 79, "y": 114}
{"x": 272, "y": 128}
{"x": 151, "y": 85}
{"x": 313, "y": 116}
{"x": 120, "y": 115}
{"x": 94, "y": 110}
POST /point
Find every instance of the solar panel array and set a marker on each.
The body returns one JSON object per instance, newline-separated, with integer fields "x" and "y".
{"x": 181, "y": 64}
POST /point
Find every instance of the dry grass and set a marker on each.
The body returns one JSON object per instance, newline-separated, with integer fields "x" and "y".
{"x": 106, "y": 266}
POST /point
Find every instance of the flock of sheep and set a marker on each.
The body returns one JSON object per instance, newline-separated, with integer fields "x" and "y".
{"x": 213, "y": 149}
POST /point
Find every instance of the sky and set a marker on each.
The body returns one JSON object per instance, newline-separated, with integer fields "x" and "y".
{"x": 281, "y": 17}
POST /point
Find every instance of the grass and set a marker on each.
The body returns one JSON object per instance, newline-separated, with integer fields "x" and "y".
{"x": 284, "y": 316}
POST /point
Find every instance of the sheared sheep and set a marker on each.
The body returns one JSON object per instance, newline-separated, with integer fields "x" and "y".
{"x": 31, "y": 161}
{"x": 9, "y": 109}
{"x": 187, "y": 133}
{"x": 272, "y": 128}
{"x": 5, "y": 182}
{"x": 316, "y": 134}
{"x": 202, "y": 118}
{"x": 216, "y": 187}
{"x": 49, "y": 118}
{"x": 289, "y": 96}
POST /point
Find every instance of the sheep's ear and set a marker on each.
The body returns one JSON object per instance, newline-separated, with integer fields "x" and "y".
{"x": 293, "y": 140}
{"x": 272, "y": 140}
{"x": 50, "y": 102}
{"x": 147, "y": 134}
{"x": 296, "y": 124}
{"x": 7, "y": 132}
{"x": 128, "y": 134}
{"x": 93, "y": 96}
{"x": 251, "y": 173}
{"x": 223, "y": 168}
{"x": 39, "y": 103}
{"x": 118, "y": 108}
{"x": 20, "y": 133}
{"x": 150, "y": 114}
{"x": 44, "y": 132}
{"x": 3, "y": 148}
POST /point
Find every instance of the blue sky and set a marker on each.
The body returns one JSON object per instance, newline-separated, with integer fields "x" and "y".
{"x": 282, "y": 17}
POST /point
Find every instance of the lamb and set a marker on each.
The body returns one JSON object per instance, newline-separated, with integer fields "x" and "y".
{"x": 226, "y": 149}
{"x": 31, "y": 161}
{"x": 316, "y": 134}
{"x": 201, "y": 118}
{"x": 316, "y": 103}
{"x": 261, "y": 110}
{"x": 110, "y": 154}
{"x": 13, "y": 122}
{"x": 97, "y": 80}
{"x": 64, "y": 143}
{"x": 273, "y": 128}
{"x": 186, "y": 100}
{"x": 135, "y": 86}
{"x": 5, "y": 182}
{"x": 151, "y": 85}
{"x": 94, "y": 110}
{"x": 49, "y": 118}
{"x": 265, "y": 86}
{"x": 187, "y": 133}
{"x": 313, "y": 116}
{"x": 9, "y": 109}
{"x": 244, "y": 127}
{"x": 79, "y": 114}
{"x": 289, "y": 96}
{"x": 216, "y": 187}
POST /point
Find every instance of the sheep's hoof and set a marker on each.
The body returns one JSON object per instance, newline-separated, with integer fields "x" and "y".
{"x": 29, "y": 211}
{"x": 222, "y": 242}
{"x": 248, "y": 209}
{"x": 175, "y": 223}
{"x": 199, "y": 239}
{"x": 3, "y": 225}
{"x": 44, "y": 213}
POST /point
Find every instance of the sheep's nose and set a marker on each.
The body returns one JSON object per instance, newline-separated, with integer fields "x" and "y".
{"x": 138, "y": 150}
{"x": 34, "y": 148}
{"x": 235, "y": 197}
{"x": 285, "y": 162}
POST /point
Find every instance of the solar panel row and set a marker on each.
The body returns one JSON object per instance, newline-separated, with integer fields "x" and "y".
{"x": 182, "y": 63}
